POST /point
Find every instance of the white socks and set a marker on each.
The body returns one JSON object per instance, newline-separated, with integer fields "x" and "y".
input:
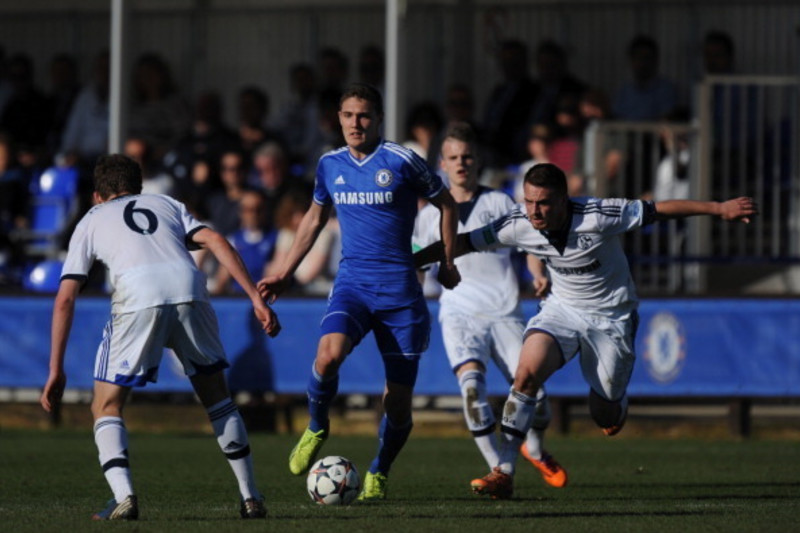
{"x": 232, "y": 438}
{"x": 111, "y": 438}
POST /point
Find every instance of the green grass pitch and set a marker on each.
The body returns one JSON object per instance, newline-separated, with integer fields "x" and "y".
{"x": 51, "y": 481}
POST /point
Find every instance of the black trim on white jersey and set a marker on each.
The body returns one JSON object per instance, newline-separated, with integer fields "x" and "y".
{"x": 190, "y": 244}
{"x": 465, "y": 208}
{"x": 80, "y": 278}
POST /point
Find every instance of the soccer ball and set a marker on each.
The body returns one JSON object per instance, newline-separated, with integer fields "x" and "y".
{"x": 333, "y": 480}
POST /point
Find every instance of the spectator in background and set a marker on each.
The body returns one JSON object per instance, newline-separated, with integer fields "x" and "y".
{"x": 372, "y": 67}
{"x": 13, "y": 202}
{"x": 459, "y": 107}
{"x": 271, "y": 175}
{"x": 208, "y": 137}
{"x": 159, "y": 114}
{"x": 154, "y": 179}
{"x": 423, "y": 126}
{"x": 86, "y": 130}
{"x": 509, "y": 105}
{"x": 253, "y": 110}
{"x": 318, "y": 269}
{"x": 648, "y": 96}
{"x": 333, "y": 70}
{"x": 298, "y": 120}
{"x": 254, "y": 242}
{"x": 539, "y": 141}
{"x": 28, "y": 114}
{"x": 223, "y": 205}
{"x": 565, "y": 148}
{"x": 594, "y": 107}
{"x": 554, "y": 82}
{"x": 63, "y": 92}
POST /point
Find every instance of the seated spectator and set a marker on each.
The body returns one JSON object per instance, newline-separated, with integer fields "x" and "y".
{"x": 539, "y": 141}
{"x": 648, "y": 96}
{"x": 372, "y": 67}
{"x": 86, "y": 130}
{"x": 255, "y": 244}
{"x": 315, "y": 274}
{"x": 223, "y": 205}
{"x": 155, "y": 180}
{"x": 271, "y": 175}
{"x": 13, "y": 206}
{"x": 159, "y": 115}
{"x": 208, "y": 137}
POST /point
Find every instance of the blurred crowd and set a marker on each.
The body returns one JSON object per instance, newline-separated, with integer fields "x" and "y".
{"x": 252, "y": 180}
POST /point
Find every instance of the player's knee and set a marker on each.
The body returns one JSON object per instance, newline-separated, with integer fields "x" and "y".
{"x": 604, "y": 412}
{"x": 526, "y": 381}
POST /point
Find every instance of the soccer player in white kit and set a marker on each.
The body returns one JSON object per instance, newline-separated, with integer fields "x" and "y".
{"x": 159, "y": 300}
{"x": 592, "y": 308}
{"x": 481, "y": 318}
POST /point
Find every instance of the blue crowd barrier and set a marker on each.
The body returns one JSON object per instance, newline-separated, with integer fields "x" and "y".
{"x": 686, "y": 347}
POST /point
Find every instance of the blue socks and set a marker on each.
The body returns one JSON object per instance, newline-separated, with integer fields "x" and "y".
{"x": 321, "y": 391}
{"x": 392, "y": 440}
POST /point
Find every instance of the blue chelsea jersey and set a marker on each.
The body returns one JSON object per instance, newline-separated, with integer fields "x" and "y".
{"x": 376, "y": 203}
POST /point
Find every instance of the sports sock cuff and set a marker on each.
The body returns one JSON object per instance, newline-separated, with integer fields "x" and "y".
{"x": 221, "y": 409}
{"x": 106, "y": 422}
{"x": 476, "y": 375}
{"x": 319, "y": 377}
{"x": 524, "y": 398}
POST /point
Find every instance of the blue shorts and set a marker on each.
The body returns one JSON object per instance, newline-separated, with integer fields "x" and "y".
{"x": 401, "y": 332}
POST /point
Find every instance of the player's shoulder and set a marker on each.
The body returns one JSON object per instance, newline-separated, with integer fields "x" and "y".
{"x": 334, "y": 154}
{"x": 400, "y": 154}
{"x": 590, "y": 205}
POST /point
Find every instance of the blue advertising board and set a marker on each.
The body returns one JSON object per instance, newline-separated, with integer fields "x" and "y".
{"x": 685, "y": 347}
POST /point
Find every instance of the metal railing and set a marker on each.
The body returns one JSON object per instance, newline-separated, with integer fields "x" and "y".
{"x": 745, "y": 141}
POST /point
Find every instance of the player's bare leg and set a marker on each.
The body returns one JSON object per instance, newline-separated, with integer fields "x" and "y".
{"x": 111, "y": 438}
{"x": 322, "y": 388}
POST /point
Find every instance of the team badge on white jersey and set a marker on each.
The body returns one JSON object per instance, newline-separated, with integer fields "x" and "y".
{"x": 384, "y": 177}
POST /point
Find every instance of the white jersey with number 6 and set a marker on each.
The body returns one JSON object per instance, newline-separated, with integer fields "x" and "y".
{"x": 143, "y": 241}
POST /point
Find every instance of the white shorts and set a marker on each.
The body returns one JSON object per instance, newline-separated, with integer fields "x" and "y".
{"x": 133, "y": 343}
{"x": 606, "y": 344}
{"x": 469, "y": 338}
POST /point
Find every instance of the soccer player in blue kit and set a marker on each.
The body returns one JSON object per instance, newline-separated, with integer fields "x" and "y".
{"x": 374, "y": 185}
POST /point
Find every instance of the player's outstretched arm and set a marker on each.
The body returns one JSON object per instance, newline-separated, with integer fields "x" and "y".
{"x": 310, "y": 227}
{"x": 63, "y": 313}
{"x": 742, "y": 208}
{"x": 230, "y": 259}
{"x": 435, "y": 252}
{"x": 448, "y": 275}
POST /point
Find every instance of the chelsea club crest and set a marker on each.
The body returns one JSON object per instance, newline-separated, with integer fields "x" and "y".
{"x": 666, "y": 347}
{"x": 384, "y": 177}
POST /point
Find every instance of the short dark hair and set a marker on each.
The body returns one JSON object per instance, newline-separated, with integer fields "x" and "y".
{"x": 460, "y": 131}
{"x": 116, "y": 174}
{"x": 548, "y": 176}
{"x": 364, "y": 91}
